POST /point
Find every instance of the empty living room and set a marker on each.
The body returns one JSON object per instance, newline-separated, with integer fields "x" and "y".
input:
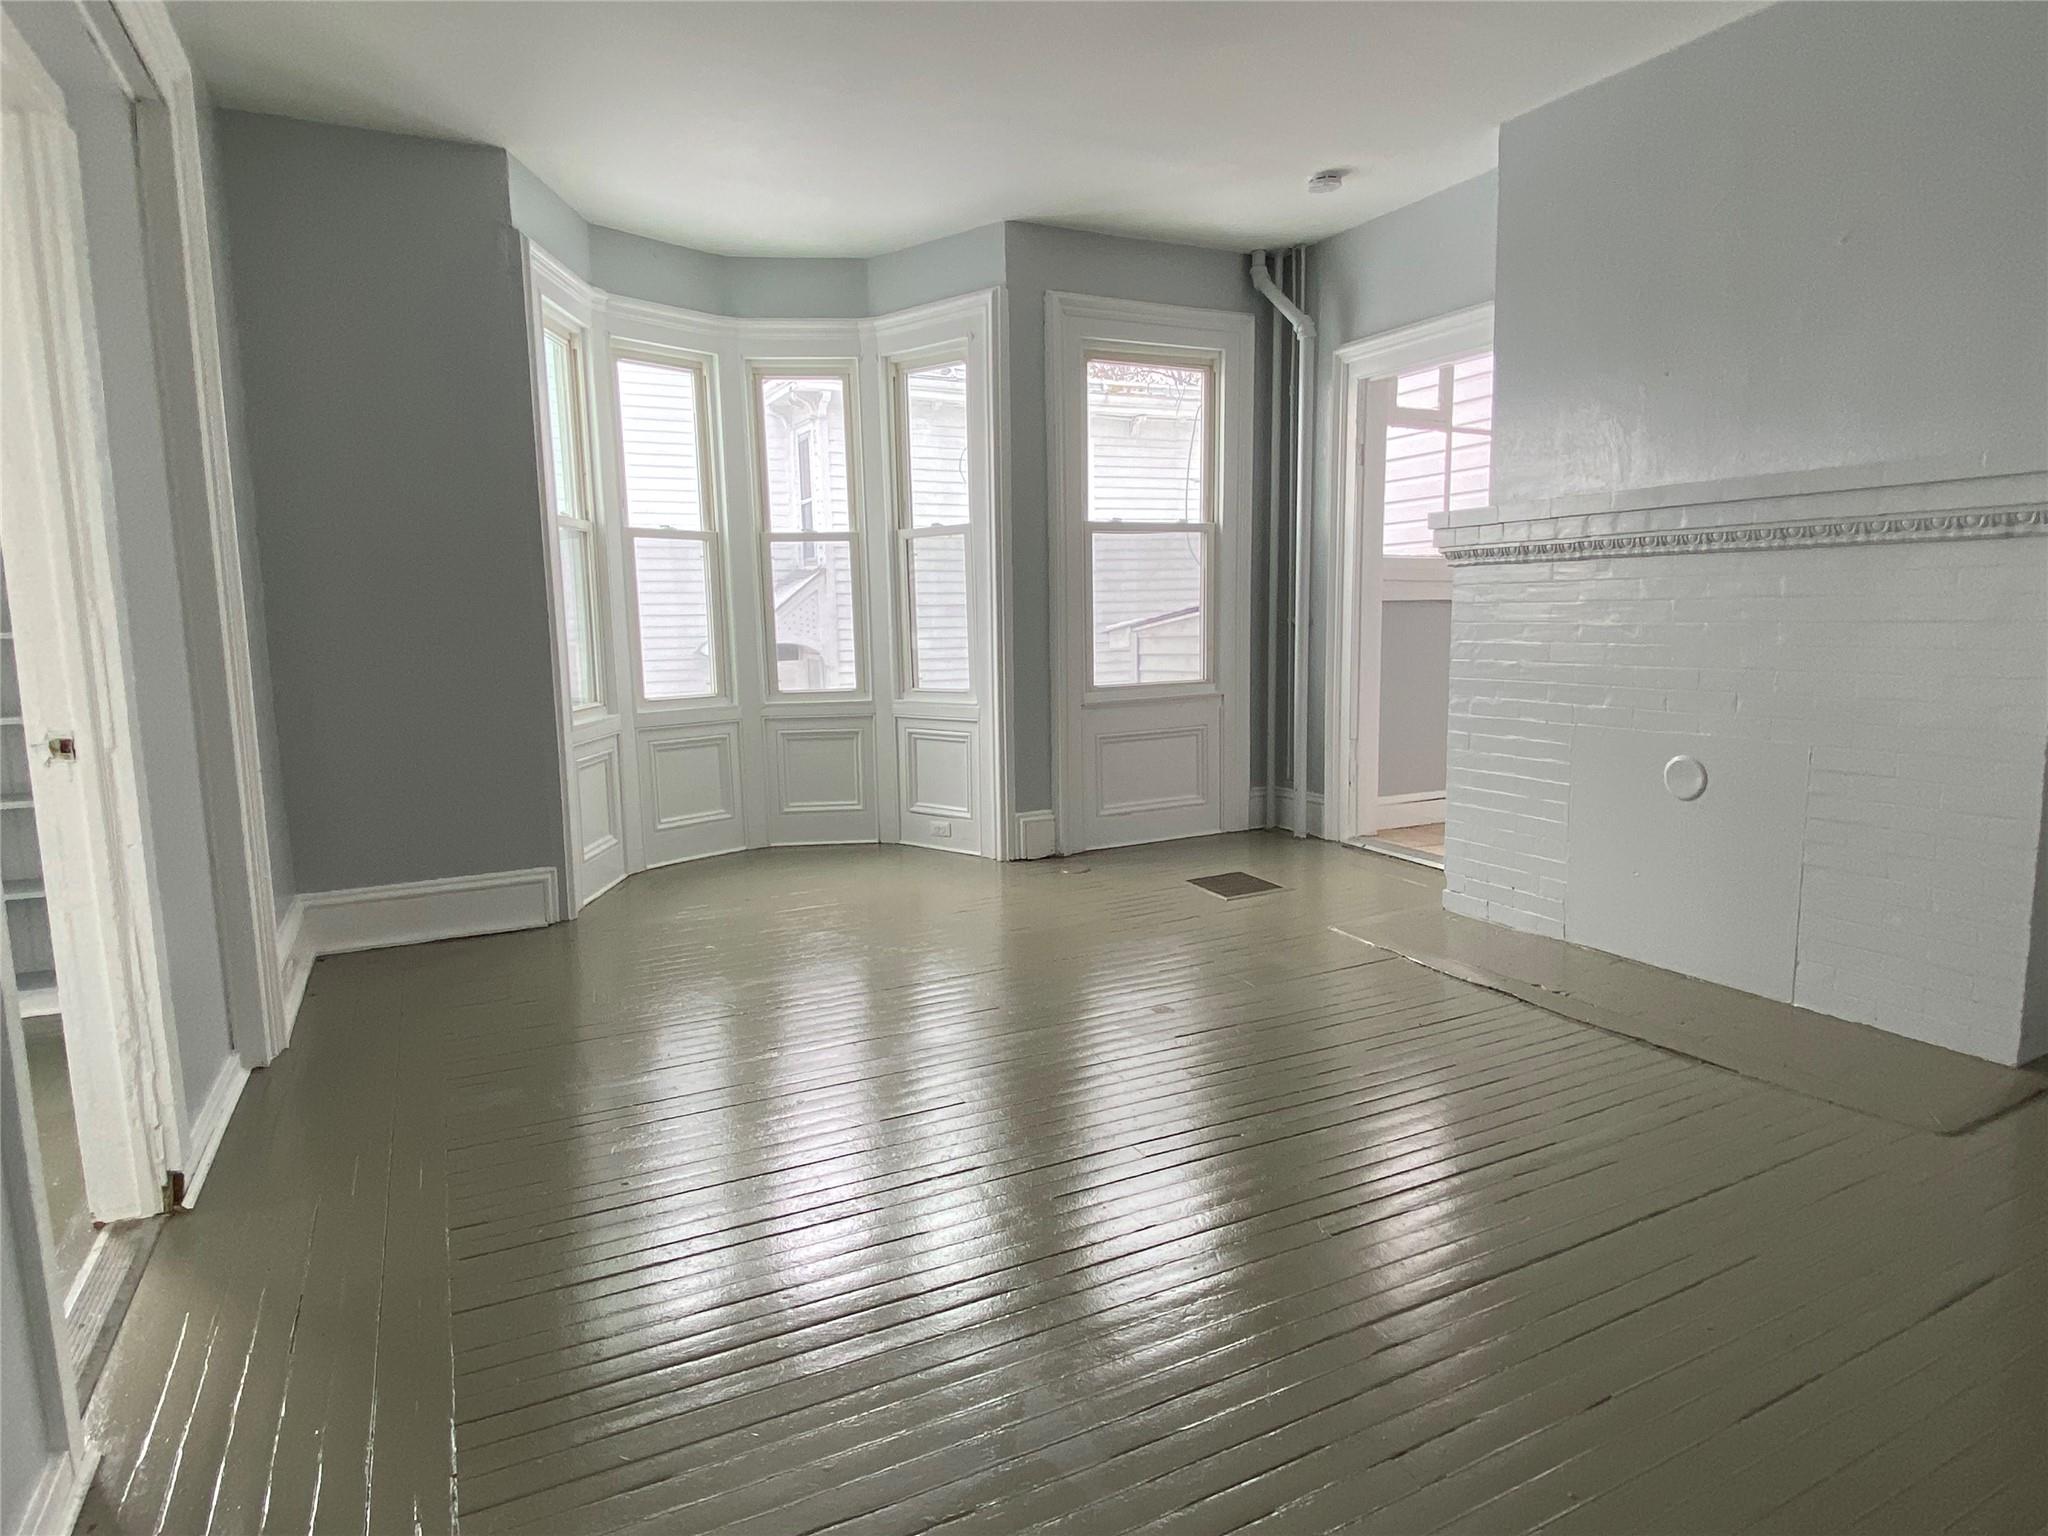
{"x": 776, "y": 767}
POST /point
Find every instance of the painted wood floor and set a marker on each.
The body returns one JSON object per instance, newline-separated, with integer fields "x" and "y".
{"x": 881, "y": 1191}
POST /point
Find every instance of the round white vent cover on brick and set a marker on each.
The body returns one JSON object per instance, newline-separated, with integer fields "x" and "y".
{"x": 1686, "y": 777}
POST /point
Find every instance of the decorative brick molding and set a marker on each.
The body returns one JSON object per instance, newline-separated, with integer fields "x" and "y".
{"x": 1914, "y": 528}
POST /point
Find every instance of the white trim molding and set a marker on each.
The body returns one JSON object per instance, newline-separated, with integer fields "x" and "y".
{"x": 211, "y": 1123}
{"x": 1036, "y": 835}
{"x": 1275, "y": 808}
{"x": 1356, "y": 579}
{"x": 1674, "y": 538}
{"x": 422, "y": 911}
{"x": 174, "y": 174}
{"x": 1421, "y": 810}
{"x": 59, "y": 1496}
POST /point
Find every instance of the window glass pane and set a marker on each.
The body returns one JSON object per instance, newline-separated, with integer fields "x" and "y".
{"x": 1149, "y": 592}
{"x": 673, "y": 578}
{"x": 935, "y": 419}
{"x": 938, "y": 612}
{"x": 1420, "y": 390}
{"x": 1428, "y": 470}
{"x": 803, "y": 438}
{"x": 664, "y": 482}
{"x": 559, "y": 365}
{"x": 574, "y": 548}
{"x": 1472, "y": 392}
{"x": 1148, "y": 442}
{"x": 815, "y": 621}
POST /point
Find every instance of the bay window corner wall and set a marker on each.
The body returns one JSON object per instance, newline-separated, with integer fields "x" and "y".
{"x": 774, "y": 594}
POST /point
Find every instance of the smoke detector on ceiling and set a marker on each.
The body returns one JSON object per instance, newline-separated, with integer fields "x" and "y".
{"x": 1326, "y": 181}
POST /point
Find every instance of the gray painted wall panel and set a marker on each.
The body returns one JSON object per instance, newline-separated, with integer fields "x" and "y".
{"x": 1428, "y": 259}
{"x": 1415, "y": 696}
{"x": 383, "y": 341}
{"x": 1707, "y": 271}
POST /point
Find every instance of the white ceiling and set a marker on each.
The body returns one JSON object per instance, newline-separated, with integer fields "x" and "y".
{"x": 851, "y": 129}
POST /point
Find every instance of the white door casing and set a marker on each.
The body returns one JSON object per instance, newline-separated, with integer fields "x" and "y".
{"x": 1354, "y": 584}
{"x": 71, "y": 651}
{"x": 1144, "y": 762}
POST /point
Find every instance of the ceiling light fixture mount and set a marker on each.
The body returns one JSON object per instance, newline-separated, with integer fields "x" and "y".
{"x": 1327, "y": 181}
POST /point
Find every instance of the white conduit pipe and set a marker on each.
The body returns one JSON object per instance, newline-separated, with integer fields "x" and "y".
{"x": 1304, "y": 427}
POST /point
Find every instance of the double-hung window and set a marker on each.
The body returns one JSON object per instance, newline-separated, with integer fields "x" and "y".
{"x": 1438, "y": 456}
{"x": 1151, "y": 519}
{"x": 568, "y": 469}
{"x": 811, "y": 529}
{"x": 672, "y": 534}
{"x": 932, "y": 522}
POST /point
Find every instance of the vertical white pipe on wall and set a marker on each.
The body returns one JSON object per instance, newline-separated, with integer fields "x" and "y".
{"x": 1275, "y": 524}
{"x": 1304, "y": 421}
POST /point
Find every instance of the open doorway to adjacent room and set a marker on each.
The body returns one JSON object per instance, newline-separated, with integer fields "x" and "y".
{"x": 1415, "y": 447}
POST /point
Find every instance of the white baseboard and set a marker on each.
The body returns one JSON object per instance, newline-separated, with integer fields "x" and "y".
{"x": 1411, "y": 810}
{"x": 421, "y": 911}
{"x": 1275, "y": 808}
{"x": 211, "y": 1123}
{"x": 53, "y": 1508}
{"x": 1037, "y": 834}
{"x": 294, "y": 961}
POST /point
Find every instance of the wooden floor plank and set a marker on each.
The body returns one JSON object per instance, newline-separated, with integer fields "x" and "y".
{"x": 878, "y": 1191}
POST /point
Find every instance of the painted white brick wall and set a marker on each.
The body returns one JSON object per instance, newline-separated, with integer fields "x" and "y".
{"x": 1916, "y": 675}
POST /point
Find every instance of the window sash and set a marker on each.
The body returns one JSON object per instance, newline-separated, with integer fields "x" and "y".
{"x": 573, "y": 511}
{"x": 907, "y": 540}
{"x": 1202, "y": 523}
{"x": 851, "y": 536}
{"x": 710, "y": 536}
{"x": 714, "y": 588}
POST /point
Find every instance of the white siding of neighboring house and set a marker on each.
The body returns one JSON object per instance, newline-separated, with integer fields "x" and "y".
{"x": 937, "y": 422}
{"x": 1146, "y": 463}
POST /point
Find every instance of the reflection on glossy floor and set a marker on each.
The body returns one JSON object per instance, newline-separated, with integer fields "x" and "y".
{"x": 886, "y": 1191}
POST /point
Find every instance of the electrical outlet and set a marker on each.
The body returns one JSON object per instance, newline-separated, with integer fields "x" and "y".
{"x": 942, "y": 829}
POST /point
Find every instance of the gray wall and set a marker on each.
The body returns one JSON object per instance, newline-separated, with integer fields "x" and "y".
{"x": 379, "y": 296}
{"x": 1041, "y": 260}
{"x": 1418, "y": 262}
{"x": 180, "y": 860}
{"x": 1415, "y": 696}
{"x": 1707, "y": 273}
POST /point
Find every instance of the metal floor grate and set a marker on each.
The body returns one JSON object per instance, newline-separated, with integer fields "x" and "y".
{"x": 1233, "y": 884}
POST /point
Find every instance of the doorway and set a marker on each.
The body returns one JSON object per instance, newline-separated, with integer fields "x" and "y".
{"x": 1415, "y": 449}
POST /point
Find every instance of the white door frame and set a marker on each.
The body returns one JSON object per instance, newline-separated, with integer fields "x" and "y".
{"x": 183, "y": 274}
{"x": 72, "y": 656}
{"x": 1351, "y": 700}
{"x": 1226, "y": 337}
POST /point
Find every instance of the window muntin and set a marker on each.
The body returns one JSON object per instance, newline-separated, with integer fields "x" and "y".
{"x": 673, "y": 546}
{"x": 1151, "y": 523}
{"x": 569, "y": 497}
{"x": 932, "y": 521}
{"x": 811, "y": 530}
{"x": 1438, "y": 452}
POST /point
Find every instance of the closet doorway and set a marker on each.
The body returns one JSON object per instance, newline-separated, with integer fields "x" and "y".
{"x": 1415, "y": 448}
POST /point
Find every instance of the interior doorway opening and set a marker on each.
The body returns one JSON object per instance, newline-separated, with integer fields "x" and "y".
{"x": 1416, "y": 450}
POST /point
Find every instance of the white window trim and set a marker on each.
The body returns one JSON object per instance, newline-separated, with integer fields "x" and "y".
{"x": 714, "y": 536}
{"x": 1356, "y": 580}
{"x": 1076, "y": 326}
{"x": 1208, "y": 684}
